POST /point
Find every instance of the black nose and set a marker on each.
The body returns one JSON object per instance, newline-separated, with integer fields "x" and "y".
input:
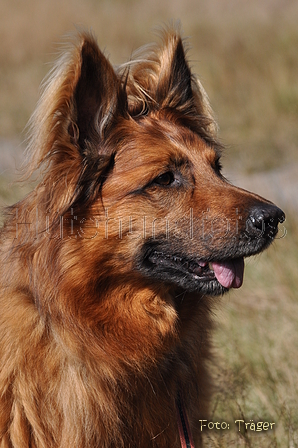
{"x": 265, "y": 218}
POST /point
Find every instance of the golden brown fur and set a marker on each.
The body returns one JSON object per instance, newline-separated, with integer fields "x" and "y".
{"x": 94, "y": 347}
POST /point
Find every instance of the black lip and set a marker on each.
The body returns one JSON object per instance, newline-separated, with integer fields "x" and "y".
{"x": 203, "y": 273}
{"x": 181, "y": 271}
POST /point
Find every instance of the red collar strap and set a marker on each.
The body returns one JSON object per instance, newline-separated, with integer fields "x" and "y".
{"x": 183, "y": 426}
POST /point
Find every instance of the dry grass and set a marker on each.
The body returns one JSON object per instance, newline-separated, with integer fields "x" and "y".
{"x": 246, "y": 55}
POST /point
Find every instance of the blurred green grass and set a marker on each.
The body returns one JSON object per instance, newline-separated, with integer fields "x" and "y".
{"x": 246, "y": 56}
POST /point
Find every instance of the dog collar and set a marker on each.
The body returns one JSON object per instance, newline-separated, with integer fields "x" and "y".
{"x": 183, "y": 425}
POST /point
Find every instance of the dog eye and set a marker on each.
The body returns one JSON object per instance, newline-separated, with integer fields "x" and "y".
{"x": 165, "y": 179}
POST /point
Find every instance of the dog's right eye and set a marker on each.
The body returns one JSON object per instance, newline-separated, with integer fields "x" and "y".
{"x": 165, "y": 179}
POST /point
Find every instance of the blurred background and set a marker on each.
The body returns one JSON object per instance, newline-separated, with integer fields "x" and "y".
{"x": 246, "y": 55}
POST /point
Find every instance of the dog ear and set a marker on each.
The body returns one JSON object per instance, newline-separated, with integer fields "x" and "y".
{"x": 98, "y": 96}
{"x": 174, "y": 86}
{"x": 81, "y": 99}
{"x": 177, "y": 89}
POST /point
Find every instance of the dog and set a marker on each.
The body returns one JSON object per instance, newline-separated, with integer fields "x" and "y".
{"x": 111, "y": 266}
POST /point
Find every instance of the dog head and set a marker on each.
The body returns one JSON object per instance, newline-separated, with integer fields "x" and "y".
{"x": 133, "y": 165}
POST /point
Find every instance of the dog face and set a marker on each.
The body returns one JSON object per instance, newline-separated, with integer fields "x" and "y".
{"x": 186, "y": 224}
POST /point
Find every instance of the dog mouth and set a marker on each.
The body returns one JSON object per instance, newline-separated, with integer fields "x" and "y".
{"x": 214, "y": 277}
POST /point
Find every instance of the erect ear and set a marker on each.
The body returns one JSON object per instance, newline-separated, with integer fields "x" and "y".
{"x": 98, "y": 96}
{"x": 81, "y": 99}
{"x": 174, "y": 87}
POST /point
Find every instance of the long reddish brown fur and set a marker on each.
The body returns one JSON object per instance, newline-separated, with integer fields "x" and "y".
{"x": 93, "y": 353}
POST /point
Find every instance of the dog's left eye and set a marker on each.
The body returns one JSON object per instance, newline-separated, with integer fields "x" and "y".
{"x": 165, "y": 179}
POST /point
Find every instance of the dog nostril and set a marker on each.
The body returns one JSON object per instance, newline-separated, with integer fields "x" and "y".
{"x": 266, "y": 217}
{"x": 257, "y": 220}
{"x": 281, "y": 216}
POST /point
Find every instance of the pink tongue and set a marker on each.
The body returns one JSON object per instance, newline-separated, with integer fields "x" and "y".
{"x": 229, "y": 273}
